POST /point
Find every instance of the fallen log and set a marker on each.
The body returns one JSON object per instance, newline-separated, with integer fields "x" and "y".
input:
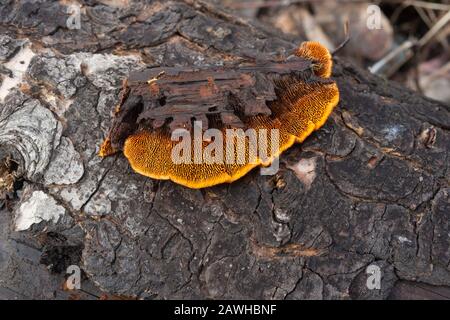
{"x": 371, "y": 188}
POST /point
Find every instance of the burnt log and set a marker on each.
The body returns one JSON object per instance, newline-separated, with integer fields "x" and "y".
{"x": 371, "y": 188}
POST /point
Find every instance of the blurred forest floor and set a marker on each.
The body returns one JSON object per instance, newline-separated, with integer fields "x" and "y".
{"x": 406, "y": 41}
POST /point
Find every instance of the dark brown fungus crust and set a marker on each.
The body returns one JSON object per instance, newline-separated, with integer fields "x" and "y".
{"x": 294, "y": 96}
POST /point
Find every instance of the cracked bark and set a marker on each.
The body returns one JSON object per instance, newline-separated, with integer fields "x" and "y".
{"x": 380, "y": 192}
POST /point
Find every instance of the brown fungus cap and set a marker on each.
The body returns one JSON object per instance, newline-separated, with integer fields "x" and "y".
{"x": 294, "y": 97}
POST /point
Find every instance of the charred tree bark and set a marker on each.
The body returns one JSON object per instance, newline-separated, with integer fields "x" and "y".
{"x": 370, "y": 188}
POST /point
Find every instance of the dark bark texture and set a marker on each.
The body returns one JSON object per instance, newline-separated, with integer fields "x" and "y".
{"x": 369, "y": 188}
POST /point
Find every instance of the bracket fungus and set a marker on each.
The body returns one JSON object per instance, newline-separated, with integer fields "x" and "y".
{"x": 293, "y": 96}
